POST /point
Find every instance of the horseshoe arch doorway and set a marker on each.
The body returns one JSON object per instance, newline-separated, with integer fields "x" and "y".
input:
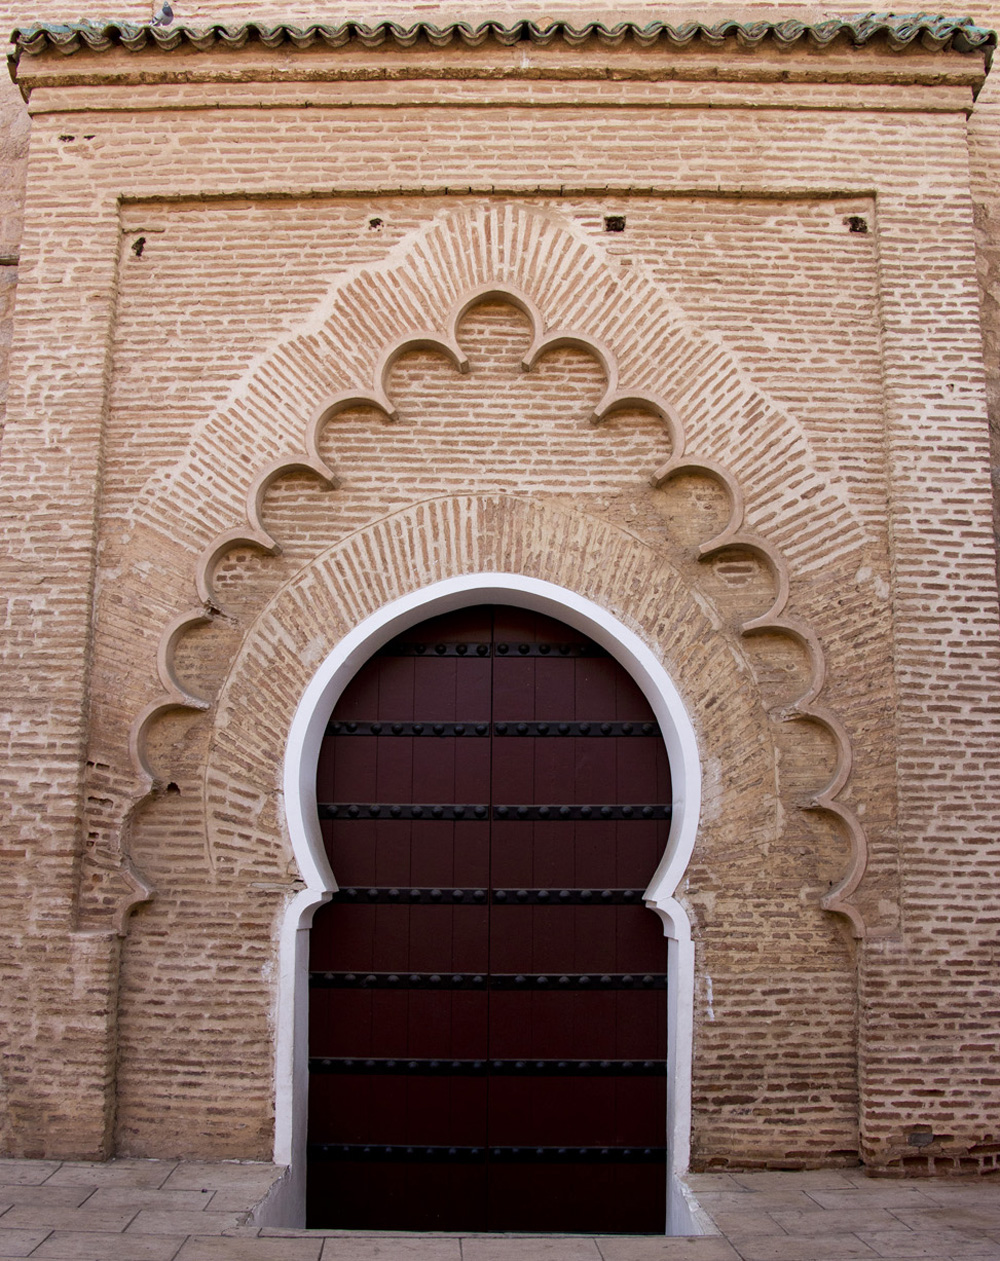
{"x": 287, "y": 1206}
{"x": 488, "y": 992}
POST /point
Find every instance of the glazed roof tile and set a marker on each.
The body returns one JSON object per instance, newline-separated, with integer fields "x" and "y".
{"x": 934, "y": 33}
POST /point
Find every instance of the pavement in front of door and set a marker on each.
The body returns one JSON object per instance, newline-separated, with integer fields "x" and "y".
{"x": 149, "y": 1210}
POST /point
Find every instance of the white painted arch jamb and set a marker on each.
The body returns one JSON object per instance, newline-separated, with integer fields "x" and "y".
{"x": 302, "y": 819}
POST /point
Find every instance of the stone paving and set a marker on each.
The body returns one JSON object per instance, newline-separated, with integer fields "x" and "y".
{"x": 146, "y": 1210}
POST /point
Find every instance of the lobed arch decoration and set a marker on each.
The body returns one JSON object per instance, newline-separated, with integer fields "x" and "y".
{"x": 616, "y": 396}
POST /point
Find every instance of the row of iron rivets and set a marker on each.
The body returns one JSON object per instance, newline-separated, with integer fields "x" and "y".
{"x": 588, "y": 1067}
{"x": 498, "y": 895}
{"x": 353, "y": 727}
{"x": 543, "y": 650}
{"x": 496, "y": 980}
{"x": 406, "y": 649}
{"x": 352, "y": 810}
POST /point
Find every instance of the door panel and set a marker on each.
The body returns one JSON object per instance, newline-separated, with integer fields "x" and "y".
{"x": 488, "y": 1011}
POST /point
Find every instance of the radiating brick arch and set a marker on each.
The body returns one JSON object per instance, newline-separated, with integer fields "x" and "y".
{"x": 445, "y": 539}
{"x": 641, "y": 608}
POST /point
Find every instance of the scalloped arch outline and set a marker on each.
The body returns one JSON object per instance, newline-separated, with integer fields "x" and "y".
{"x": 615, "y": 398}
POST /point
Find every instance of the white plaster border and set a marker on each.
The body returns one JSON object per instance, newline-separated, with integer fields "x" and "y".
{"x": 301, "y": 816}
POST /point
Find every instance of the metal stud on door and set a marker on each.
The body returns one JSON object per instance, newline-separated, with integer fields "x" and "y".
{"x": 488, "y": 1007}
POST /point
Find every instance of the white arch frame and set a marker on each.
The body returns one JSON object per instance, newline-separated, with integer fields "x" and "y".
{"x": 287, "y": 1205}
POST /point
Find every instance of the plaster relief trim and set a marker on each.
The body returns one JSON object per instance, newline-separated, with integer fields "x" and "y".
{"x": 804, "y": 707}
{"x": 734, "y": 535}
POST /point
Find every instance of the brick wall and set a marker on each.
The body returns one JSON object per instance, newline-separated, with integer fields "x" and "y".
{"x": 203, "y": 264}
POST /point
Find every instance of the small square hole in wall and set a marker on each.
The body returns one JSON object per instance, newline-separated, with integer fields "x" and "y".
{"x": 614, "y": 223}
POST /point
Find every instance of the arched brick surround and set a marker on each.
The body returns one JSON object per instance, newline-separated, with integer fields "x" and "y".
{"x": 696, "y": 579}
{"x": 743, "y": 873}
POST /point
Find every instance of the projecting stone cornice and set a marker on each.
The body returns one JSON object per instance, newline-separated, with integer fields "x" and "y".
{"x": 873, "y": 47}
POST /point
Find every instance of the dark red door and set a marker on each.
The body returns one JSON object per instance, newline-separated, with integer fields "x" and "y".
{"x": 488, "y": 1020}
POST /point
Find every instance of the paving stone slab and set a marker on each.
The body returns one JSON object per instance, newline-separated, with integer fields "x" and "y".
{"x": 20, "y": 1243}
{"x": 155, "y": 1221}
{"x": 748, "y": 1221}
{"x": 528, "y": 1248}
{"x": 806, "y": 1180}
{"x": 33, "y": 1216}
{"x": 215, "y": 1248}
{"x": 119, "y": 1173}
{"x": 963, "y": 1216}
{"x": 712, "y": 1182}
{"x": 678, "y": 1248}
{"x": 875, "y": 1195}
{"x": 984, "y": 1191}
{"x": 435, "y": 1248}
{"x": 938, "y": 1243}
{"x": 45, "y": 1196}
{"x": 238, "y": 1198}
{"x": 122, "y": 1197}
{"x": 800, "y": 1247}
{"x": 65, "y": 1245}
{"x": 759, "y": 1201}
{"x": 818, "y": 1221}
{"x": 194, "y": 1175}
{"x": 24, "y": 1172}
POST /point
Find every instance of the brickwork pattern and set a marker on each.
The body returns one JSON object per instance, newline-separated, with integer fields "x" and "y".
{"x": 834, "y": 373}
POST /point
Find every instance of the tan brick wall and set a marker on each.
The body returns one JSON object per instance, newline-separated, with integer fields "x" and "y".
{"x": 835, "y": 375}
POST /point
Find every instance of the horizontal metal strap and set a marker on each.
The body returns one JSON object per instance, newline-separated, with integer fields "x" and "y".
{"x": 474, "y": 727}
{"x": 499, "y": 897}
{"x": 524, "y": 981}
{"x": 488, "y": 1068}
{"x": 432, "y": 649}
{"x": 581, "y": 814}
{"x": 411, "y": 897}
{"x": 594, "y": 728}
{"x": 473, "y": 649}
{"x": 482, "y": 1155}
{"x": 348, "y": 811}
{"x": 566, "y": 897}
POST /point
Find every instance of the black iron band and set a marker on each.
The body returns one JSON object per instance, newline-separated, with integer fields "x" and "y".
{"x": 479, "y": 897}
{"x": 487, "y": 1068}
{"x": 524, "y": 981}
{"x": 474, "y": 727}
{"x": 347, "y": 811}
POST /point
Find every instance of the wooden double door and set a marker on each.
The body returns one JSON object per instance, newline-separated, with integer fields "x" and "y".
{"x": 488, "y": 1015}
